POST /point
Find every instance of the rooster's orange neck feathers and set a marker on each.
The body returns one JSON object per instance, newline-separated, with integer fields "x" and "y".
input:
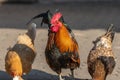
{"x": 64, "y": 42}
{"x": 63, "y": 39}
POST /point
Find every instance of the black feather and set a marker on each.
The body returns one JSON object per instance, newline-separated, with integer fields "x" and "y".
{"x": 108, "y": 62}
{"x": 46, "y": 17}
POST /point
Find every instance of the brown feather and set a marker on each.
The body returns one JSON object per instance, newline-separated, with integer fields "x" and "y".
{"x": 99, "y": 73}
{"x": 50, "y": 41}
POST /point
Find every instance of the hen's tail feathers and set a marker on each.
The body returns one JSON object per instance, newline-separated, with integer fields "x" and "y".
{"x": 46, "y": 17}
{"x": 110, "y": 32}
{"x": 31, "y": 31}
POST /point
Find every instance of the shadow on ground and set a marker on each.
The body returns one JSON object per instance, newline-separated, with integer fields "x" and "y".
{"x": 36, "y": 75}
{"x": 4, "y": 76}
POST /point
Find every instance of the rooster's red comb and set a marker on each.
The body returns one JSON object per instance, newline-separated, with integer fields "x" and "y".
{"x": 56, "y": 17}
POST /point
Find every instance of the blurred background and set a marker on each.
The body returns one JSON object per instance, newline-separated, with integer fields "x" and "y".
{"x": 52, "y": 0}
{"x": 92, "y": 13}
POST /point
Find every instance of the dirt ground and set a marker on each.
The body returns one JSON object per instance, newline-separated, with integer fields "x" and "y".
{"x": 87, "y": 20}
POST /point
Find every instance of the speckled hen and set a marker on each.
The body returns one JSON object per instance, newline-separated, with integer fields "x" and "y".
{"x": 101, "y": 60}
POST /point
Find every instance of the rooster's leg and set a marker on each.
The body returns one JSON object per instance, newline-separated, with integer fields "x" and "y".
{"x": 17, "y": 78}
{"x": 72, "y": 72}
{"x": 60, "y": 77}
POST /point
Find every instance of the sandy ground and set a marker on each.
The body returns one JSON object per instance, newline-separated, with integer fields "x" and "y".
{"x": 87, "y": 20}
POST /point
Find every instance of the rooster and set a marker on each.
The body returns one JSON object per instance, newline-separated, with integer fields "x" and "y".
{"x": 20, "y": 57}
{"x": 62, "y": 48}
{"x": 101, "y": 60}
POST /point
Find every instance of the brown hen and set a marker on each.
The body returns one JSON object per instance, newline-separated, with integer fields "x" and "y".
{"x": 20, "y": 57}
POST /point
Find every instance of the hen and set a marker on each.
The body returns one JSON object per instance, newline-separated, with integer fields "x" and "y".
{"x": 101, "y": 60}
{"x": 62, "y": 48}
{"x": 20, "y": 57}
